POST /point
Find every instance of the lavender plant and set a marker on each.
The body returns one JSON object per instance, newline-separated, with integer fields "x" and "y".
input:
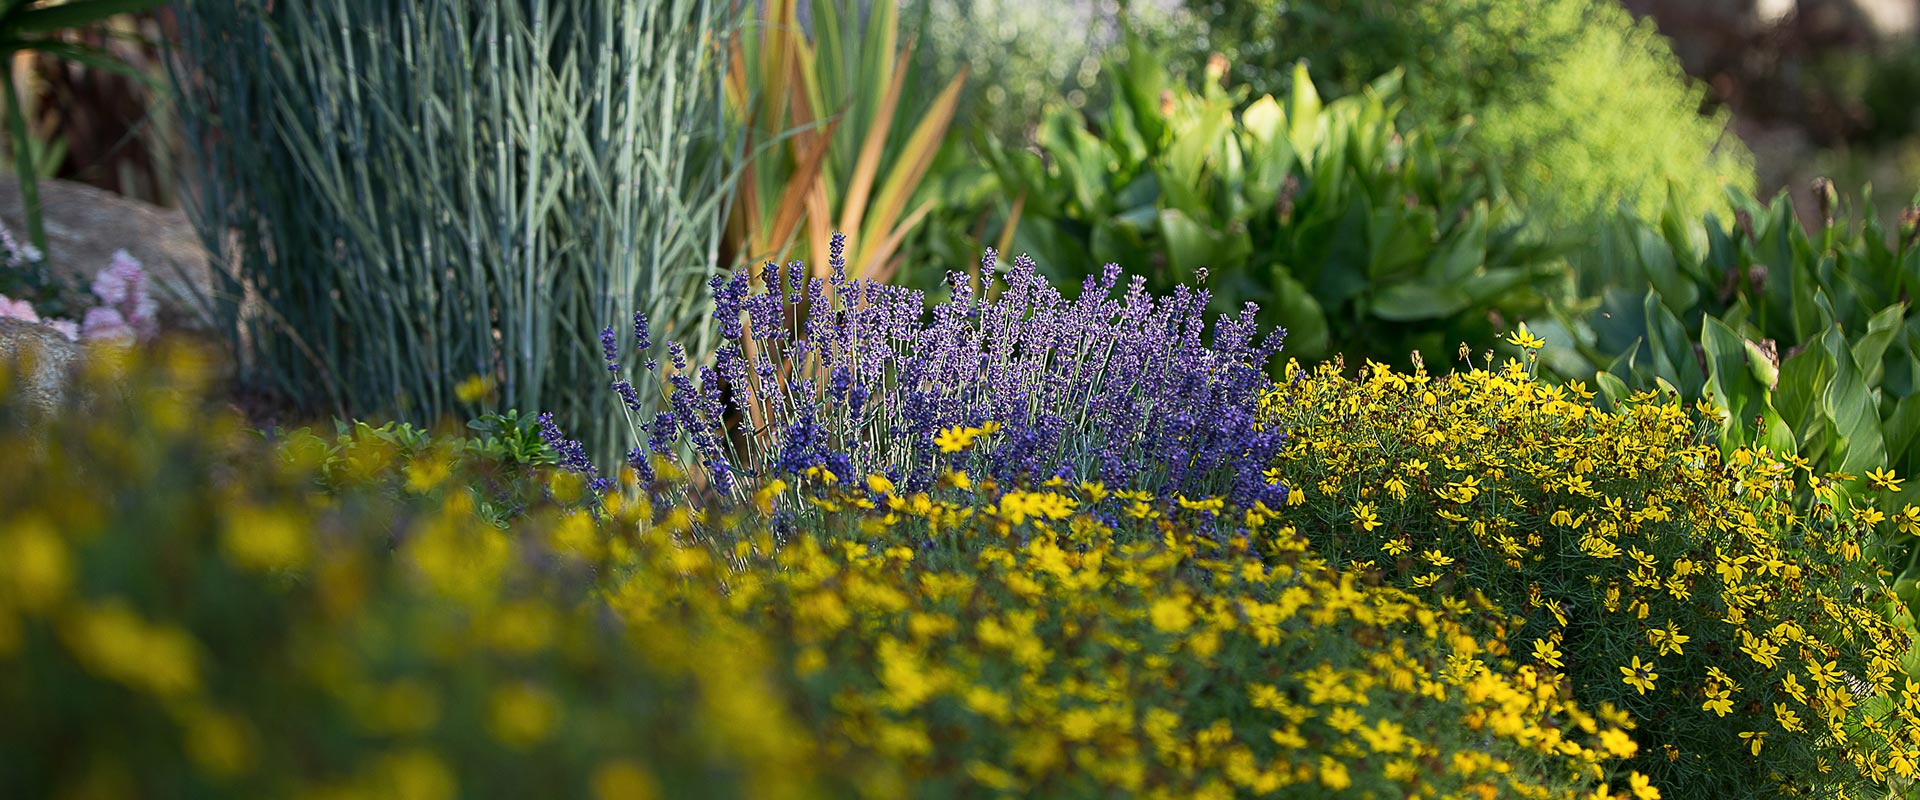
{"x": 834, "y": 379}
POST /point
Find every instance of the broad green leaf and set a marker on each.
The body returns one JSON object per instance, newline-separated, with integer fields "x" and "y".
{"x": 1297, "y": 311}
{"x": 1190, "y": 245}
{"x": 1399, "y": 240}
{"x": 1619, "y": 325}
{"x": 1138, "y": 202}
{"x": 1858, "y": 445}
{"x": 1678, "y": 231}
{"x": 1342, "y": 267}
{"x": 1803, "y": 381}
{"x": 1612, "y": 388}
{"x": 1267, "y": 170}
{"x": 1264, "y": 120}
{"x": 1490, "y": 284}
{"x": 1132, "y": 147}
{"x": 1902, "y": 429}
{"x": 1744, "y": 401}
{"x": 1869, "y": 348}
{"x": 1677, "y": 292}
{"x": 1465, "y": 249}
{"x": 1672, "y": 348}
{"x": 1304, "y": 111}
{"x": 1408, "y": 302}
{"x": 1194, "y": 141}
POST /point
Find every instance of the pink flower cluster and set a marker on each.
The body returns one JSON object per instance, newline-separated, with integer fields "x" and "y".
{"x": 127, "y": 312}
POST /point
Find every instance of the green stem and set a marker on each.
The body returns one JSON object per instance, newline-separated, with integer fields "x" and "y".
{"x": 23, "y": 161}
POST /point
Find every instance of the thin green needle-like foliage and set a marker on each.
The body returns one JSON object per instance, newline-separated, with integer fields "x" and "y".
{"x": 404, "y": 195}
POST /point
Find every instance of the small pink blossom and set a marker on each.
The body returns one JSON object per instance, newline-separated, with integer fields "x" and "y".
{"x": 66, "y": 327}
{"x": 105, "y": 324}
{"x": 17, "y": 309}
{"x": 123, "y": 278}
{"x": 125, "y": 287}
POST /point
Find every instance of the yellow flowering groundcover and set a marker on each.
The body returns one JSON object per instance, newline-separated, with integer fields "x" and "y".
{"x": 1741, "y": 627}
{"x": 187, "y": 609}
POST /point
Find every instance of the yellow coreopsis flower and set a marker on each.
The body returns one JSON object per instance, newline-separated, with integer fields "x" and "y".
{"x": 1617, "y": 742}
{"x": 1639, "y": 676}
{"x": 1365, "y": 518}
{"x": 1547, "y": 653}
{"x": 1170, "y": 615}
{"x": 1719, "y": 700}
{"x": 1909, "y": 520}
{"x": 1526, "y": 338}
{"x": 1823, "y": 673}
{"x": 1667, "y": 639}
{"x": 474, "y": 389}
{"x": 1642, "y": 787}
{"x": 1884, "y": 479}
{"x": 1762, "y": 651}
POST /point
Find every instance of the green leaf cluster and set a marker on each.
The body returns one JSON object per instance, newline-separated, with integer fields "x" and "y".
{"x": 1343, "y": 225}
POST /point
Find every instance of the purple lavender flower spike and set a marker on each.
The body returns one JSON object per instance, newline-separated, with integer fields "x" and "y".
{"x": 837, "y": 258}
{"x": 570, "y": 454}
{"x": 628, "y": 396}
{"x": 1115, "y": 385}
{"x": 609, "y": 350}
{"x": 642, "y": 338}
{"x": 662, "y": 434}
{"x": 642, "y": 464}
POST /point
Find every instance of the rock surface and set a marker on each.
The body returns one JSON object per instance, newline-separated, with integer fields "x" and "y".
{"x": 38, "y": 362}
{"x": 86, "y": 225}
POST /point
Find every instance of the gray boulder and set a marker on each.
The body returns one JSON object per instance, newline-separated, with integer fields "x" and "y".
{"x": 39, "y": 364}
{"x": 86, "y": 225}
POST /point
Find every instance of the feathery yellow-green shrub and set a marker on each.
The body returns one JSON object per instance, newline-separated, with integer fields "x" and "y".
{"x": 1584, "y": 106}
{"x": 1745, "y": 634}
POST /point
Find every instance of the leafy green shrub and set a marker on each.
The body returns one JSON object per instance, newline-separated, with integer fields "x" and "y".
{"x": 1745, "y": 633}
{"x": 1342, "y": 225}
{"x": 402, "y": 195}
{"x": 1582, "y": 105}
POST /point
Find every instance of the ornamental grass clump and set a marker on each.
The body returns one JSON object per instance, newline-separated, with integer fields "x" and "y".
{"x": 397, "y": 196}
{"x": 1742, "y": 630}
{"x": 835, "y": 379}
